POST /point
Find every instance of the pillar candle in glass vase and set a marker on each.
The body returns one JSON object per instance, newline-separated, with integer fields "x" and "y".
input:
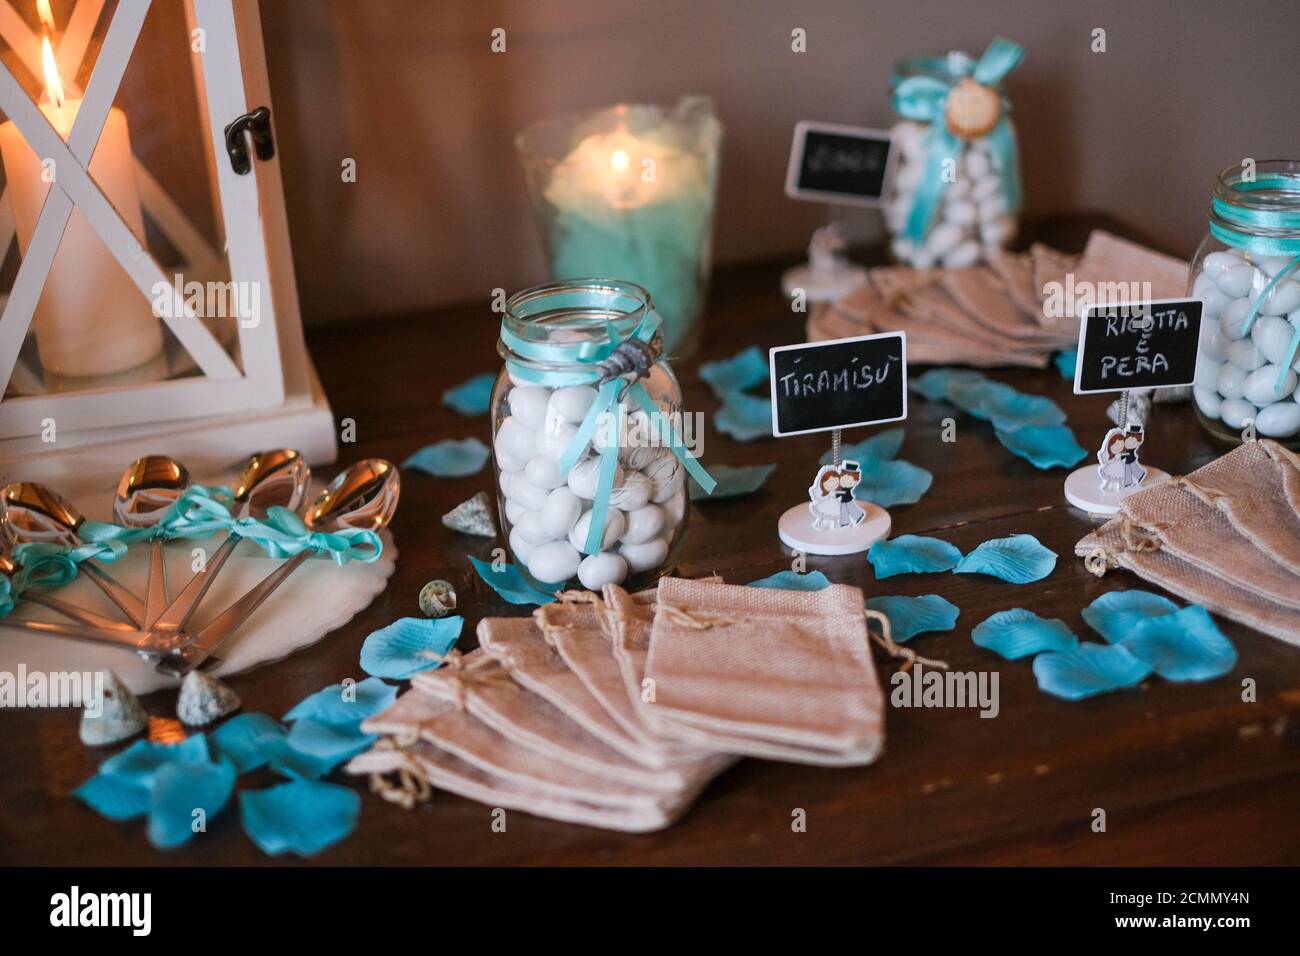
{"x": 91, "y": 319}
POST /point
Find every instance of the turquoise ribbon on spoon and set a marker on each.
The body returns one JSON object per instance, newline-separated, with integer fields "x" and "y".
{"x": 284, "y": 534}
{"x": 924, "y": 98}
{"x": 611, "y": 398}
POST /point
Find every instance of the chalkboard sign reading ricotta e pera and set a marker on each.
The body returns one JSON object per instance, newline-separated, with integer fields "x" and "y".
{"x": 840, "y": 383}
{"x": 838, "y": 164}
{"x": 1148, "y": 344}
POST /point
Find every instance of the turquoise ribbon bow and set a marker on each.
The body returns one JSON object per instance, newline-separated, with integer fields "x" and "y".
{"x": 921, "y": 87}
{"x": 1262, "y": 232}
{"x": 283, "y": 534}
{"x": 41, "y": 564}
{"x": 611, "y": 398}
{"x": 199, "y": 512}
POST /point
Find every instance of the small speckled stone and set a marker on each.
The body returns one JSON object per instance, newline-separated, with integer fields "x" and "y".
{"x": 204, "y": 699}
{"x": 472, "y": 517}
{"x": 120, "y": 716}
{"x": 437, "y": 599}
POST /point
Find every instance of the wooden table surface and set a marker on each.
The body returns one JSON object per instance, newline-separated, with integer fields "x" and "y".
{"x": 1187, "y": 773}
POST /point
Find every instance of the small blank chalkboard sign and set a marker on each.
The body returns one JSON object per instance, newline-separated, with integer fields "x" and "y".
{"x": 839, "y": 164}
{"x": 1148, "y": 344}
{"x": 840, "y": 383}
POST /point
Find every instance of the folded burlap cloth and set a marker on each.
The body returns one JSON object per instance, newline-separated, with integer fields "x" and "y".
{"x": 786, "y": 675}
{"x": 1227, "y": 536}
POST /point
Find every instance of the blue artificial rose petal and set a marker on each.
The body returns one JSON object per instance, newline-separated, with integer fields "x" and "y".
{"x": 1066, "y": 362}
{"x": 910, "y": 554}
{"x": 302, "y": 817}
{"x": 140, "y": 762}
{"x": 1087, "y": 670}
{"x": 1043, "y": 446}
{"x": 744, "y": 370}
{"x": 510, "y": 584}
{"x": 909, "y": 616}
{"x": 327, "y": 743}
{"x": 451, "y": 458}
{"x": 733, "y": 482}
{"x": 1018, "y": 559}
{"x": 472, "y": 396}
{"x": 1116, "y": 614}
{"x": 288, "y": 761}
{"x": 882, "y": 447}
{"x": 744, "y": 417}
{"x": 114, "y": 797}
{"x": 1018, "y": 633}
{"x": 241, "y": 739}
{"x": 889, "y": 483}
{"x": 1183, "y": 646}
{"x": 180, "y": 790}
{"x": 1003, "y": 405}
{"x": 793, "y": 581}
{"x": 409, "y": 645}
{"x": 349, "y": 703}
{"x": 935, "y": 383}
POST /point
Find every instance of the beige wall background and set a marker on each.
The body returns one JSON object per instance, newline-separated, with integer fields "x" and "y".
{"x": 439, "y": 214}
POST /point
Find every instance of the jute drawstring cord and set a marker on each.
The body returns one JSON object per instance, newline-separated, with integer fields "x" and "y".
{"x": 1137, "y": 536}
{"x": 694, "y": 621}
{"x": 886, "y": 641}
{"x": 545, "y": 615}
{"x": 410, "y": 788}
{"x": 460, "y": 679}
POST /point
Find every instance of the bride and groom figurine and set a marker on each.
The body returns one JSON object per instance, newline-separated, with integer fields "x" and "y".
{"x": 832, "y": 503}
{"x": 1118, "y": 466}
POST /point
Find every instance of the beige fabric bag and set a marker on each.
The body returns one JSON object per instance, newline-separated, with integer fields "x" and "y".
{"x": 786, "y": 675}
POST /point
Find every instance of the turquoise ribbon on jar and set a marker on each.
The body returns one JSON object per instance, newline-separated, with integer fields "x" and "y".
{"x": 1226, "y": 222}
{"x": 613, "y": 391}
{"x": 921, "y": 87}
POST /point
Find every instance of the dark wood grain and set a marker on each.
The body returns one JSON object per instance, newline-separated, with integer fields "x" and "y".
{"x": 1187, "y": 773}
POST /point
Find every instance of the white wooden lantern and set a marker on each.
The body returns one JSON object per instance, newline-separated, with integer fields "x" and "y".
{"x": 231, "y": 373}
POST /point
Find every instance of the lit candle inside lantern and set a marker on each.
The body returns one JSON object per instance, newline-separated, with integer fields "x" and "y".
{"x": 91, "y": 319}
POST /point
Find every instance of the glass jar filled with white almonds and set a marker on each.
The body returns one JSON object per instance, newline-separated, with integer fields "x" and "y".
{"x": 591, "y": 448}
{"x": 1247, "y": 272}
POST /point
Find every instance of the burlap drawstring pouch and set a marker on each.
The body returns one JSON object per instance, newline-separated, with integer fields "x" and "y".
{"x": 631, "y": 617}
{"x": 482, "y": 685}
{"x": 581, "y": 631}
{"x": 783, "y": 675}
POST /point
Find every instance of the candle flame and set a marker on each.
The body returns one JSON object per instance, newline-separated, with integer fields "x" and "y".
{"x": 45, "y": 13}
{"x": 618, "y": 159}
{"x": 53, "y": 85}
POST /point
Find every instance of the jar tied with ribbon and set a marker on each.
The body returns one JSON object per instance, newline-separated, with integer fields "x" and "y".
{"x": 591, "y": 446}
{"x": 956, "y": 189}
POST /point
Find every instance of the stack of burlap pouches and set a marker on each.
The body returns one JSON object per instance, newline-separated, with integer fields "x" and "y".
{"x": 615, "y": 710}
{"x": 1017, "y": 310}
{"x": 1227, "y": 536}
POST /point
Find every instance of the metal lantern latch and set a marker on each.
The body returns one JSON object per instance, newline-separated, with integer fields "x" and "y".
{"x": 258, "y": 125}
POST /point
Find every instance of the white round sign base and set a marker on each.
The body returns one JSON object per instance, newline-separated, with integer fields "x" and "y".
{"x": 797, "y": 531}
{"x": 1083, "y": 490}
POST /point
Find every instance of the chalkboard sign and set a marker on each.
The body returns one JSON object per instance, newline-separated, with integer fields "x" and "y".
{"x": 839, "y": 383}
{"x": 1149, "y": 344}
{"x": 838, "y": 164}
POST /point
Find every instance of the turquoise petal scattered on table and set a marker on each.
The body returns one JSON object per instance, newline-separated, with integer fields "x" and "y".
{"x": 288, "y": 761}
{"x": 744, "y": 370}
{"x": 143, "y": 759}
{"x": 346, "y": 703}
{"x": 409, "y": 645}
{"x": 1018, "y": 633}
{"x": 889, "y": 483}
{"x": 1043, "y": 446}
{"x": 909, "y": 616}
{"x": 451, "y": 458}
{"x": 1087, "y": 670}
{"x": 302, "y": 817}
{"x": 912, "y": 554}
{"x": 331, "y": 744}
{"x": 1004, "y": 406}
{"x": 114, "y": 797}
{"x": 1116, "y": 614}
{"x": 793, "y": 581}
{"x": 744, "y": 417}
{"x": 1018, "y": 559}
{"x": 881, "y": 447}
{"x": 472, "y": 396}
{"x": 241, "y": 739}
{"x": 1066, "y": 362}
{"x": 180, "y": 790}
{"x": 733, "y": 481}
{"x": 1183, "y": 646}
{"x": 934, "y": 384}
{"x": 510, "y": 584}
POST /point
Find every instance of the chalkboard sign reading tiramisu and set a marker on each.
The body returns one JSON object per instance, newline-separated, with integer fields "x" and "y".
{"x": 1149, "y": 344}
{"x": 841, "y": 383}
